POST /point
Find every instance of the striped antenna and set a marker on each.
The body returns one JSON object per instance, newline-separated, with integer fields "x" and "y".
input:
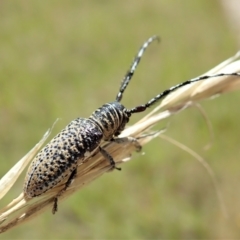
{"x": 143, "y": 107}
{"x": 133, "y": 67}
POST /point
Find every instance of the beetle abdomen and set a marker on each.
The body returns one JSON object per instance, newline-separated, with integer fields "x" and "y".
{"x": 57, "y": 160}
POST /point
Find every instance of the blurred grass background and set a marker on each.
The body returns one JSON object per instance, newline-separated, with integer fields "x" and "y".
{"x": 66, "y": 58}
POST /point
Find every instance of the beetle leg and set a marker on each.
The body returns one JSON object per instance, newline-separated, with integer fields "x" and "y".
{"x": 67, "y": 184}
{"x": 109, "y": 158}
{"x": 132, "y": 140}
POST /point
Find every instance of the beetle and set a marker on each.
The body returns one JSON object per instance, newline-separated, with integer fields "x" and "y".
{"x": 59, "y": 159}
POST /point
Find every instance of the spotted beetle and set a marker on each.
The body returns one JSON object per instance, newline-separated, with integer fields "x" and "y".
{"x": 59, "y": 159}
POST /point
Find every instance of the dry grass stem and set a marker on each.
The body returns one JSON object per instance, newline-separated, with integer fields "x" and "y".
{"x": 21, "y": 210}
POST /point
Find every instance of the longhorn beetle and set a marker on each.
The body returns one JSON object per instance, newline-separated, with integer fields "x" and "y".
{"x": 59, "y": 159}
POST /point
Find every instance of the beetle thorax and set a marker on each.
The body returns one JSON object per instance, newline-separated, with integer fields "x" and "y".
{"x": 111, "y": 118}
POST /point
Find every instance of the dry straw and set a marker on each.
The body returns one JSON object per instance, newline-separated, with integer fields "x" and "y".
{"x": 21, "y": 210}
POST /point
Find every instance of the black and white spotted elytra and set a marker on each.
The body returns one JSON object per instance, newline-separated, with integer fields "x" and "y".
{"x": 58, "y": 160}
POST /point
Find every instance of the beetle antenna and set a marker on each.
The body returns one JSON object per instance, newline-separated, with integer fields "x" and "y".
{"x": 133, "y": 67}
{"x": 143, "y": 107}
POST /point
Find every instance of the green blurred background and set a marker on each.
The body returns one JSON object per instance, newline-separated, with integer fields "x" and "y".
{"x": 63, "y": 59}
